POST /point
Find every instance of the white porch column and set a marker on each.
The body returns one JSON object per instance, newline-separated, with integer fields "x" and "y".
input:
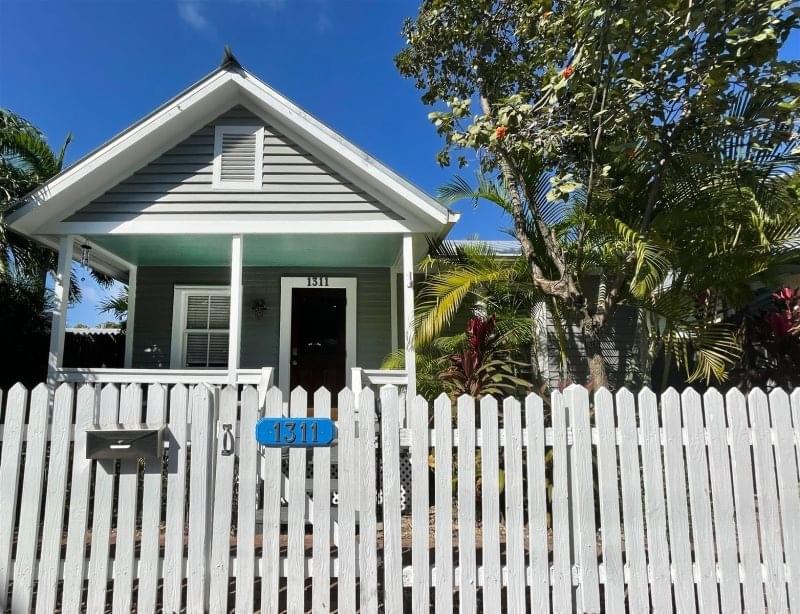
{"x": 131, "y": 315}
{"x": 393, "y": 304}
{"x": 60, "y": 303}
{"x": 235, "y": 326}
{"x": 408, "y": 317}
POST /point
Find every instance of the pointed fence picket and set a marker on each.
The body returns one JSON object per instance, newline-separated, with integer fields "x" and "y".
{"x": 129, "y": 416}
{"x": 700, "y": 502}
{"x": 515, "y": 538}
{"x": 368, "y": 530}
{"x": 539, "y": 576}
{"x": 697, "y": 499}
{"x": 490, "y": 500}
{"x": 467, "y": 567}
{"x": 79, "y": 485}
{"x": 177, "y": 458}
{"x": 443, "y": 502}
{"x": 609, "y": 501}
{"x": 321, "y": 587}
{"x": 30, "y": 501}
{"x": 147, "y": 596}
{"x": 52, "y": 531}
{"x": 246, "y": 518}
{"x": 223, "y": 495}
{"x": 348, "y": 491}
{"x": 768, "y": 511}
{"x": 99, "y": 561}
{"x": 271, "y": 509}
{"x": 725, "y": 536}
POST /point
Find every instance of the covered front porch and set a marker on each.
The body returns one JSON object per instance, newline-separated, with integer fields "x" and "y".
{"x": 258, "y": 309}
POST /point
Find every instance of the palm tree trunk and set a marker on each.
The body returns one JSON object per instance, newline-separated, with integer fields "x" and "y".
{"x": 596, "y": 363}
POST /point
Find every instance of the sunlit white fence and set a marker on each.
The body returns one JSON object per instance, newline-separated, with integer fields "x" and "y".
{"x": 612, "y": 503}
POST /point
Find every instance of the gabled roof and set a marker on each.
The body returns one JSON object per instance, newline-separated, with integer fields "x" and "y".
{"x": 224, "y": 87}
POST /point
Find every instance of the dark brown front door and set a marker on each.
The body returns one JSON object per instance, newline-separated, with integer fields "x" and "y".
{"x": 318, "y": 346}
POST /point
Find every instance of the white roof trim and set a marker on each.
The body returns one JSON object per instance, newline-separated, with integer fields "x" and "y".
{"x": 176, "y": 119}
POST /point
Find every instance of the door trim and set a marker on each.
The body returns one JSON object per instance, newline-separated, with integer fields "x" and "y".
{"x": 350, "y": 285}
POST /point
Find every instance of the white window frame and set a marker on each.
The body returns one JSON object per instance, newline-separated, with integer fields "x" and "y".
{"x": 350, "y": 285}
{"x": 216, "y": 180}
{"x": 177, "y": 359}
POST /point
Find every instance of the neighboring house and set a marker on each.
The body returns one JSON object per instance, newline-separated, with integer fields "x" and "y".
{"x": 250, "y": 235}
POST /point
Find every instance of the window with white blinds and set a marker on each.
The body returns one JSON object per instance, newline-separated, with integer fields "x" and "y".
{"x": 200, "y": 327}
{"x": 238, "y": 153}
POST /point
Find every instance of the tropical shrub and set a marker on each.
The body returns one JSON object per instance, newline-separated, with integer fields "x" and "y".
{"x": 770, "y": 335}
{"x": 482, "y": 366}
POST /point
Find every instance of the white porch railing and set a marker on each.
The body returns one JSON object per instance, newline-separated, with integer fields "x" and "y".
{"x": 361, "y": 378}
{"x": 375, "y": 378}
{"x": 260, "y": 378}
{"x": 252, "y": 377}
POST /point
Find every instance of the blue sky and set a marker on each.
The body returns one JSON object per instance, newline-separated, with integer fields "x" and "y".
{"x": 93, "y": 67}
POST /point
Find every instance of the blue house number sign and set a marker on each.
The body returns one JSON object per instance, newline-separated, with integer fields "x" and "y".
{"x": 295, "y": 432}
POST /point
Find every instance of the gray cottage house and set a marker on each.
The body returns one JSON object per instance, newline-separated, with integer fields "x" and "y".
{"x": 255, "y": 242}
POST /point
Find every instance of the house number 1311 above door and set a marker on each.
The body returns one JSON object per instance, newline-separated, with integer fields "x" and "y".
{"x": 317, "y": 282}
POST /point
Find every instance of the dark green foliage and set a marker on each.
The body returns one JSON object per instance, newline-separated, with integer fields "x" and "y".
{"x": 24, "y": 334}
{"x": 770, "y": 333}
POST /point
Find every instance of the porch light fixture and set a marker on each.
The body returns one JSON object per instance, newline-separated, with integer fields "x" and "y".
{"x": 259, "y": 307}
{"x": 85, "y": 250}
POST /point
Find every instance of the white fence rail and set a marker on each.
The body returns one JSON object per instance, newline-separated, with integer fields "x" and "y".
{"x": 682, "y": 503}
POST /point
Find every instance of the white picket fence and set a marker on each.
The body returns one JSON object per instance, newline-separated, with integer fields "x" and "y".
{"x": 624, "y": 503}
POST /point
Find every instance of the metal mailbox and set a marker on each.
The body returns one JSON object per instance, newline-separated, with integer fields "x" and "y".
{"x": 112, "y": 442}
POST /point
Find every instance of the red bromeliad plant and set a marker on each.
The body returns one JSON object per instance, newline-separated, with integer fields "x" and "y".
{"x": 482, "y": 367}
{"x": 786, "y": 321}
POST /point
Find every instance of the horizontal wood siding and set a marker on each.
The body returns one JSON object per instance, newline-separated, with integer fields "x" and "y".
{"x": 260, "y": 337}
{"x": 617, "y": 346}
{"x": 179, "y": 184}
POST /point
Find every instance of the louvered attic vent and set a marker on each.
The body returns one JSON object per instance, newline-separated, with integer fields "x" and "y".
{"x": 238, "y": 152}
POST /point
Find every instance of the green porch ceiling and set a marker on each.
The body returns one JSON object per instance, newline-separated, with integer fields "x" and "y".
{"x": 259, "y": 250}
